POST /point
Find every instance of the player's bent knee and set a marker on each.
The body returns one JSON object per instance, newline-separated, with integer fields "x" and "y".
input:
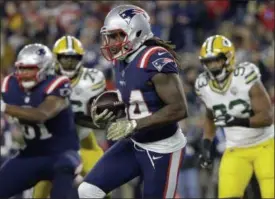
{"x": 86, "y": 190}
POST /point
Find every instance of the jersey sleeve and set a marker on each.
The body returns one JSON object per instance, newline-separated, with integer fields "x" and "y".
{"x": 60, "y": 87}
{"x": 197, "y": 88}
{"x": 251, "y": 73}
{"x": 98, "y": 82}
{"x": 95, "y": 87}
{"x": 158, "y": 60}
{"x": 6, "y": 86}
{"x": 200, "y": 83}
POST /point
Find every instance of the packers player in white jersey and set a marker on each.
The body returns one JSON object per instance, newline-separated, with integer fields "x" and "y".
{"x": 86, "y": 85}
{"x": 237, "y": 101}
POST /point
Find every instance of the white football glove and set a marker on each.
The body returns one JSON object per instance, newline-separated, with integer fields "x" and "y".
{"x": 103, "y": 118}
{"x": 121, "y": 129}
{"x": 3, "y": 106}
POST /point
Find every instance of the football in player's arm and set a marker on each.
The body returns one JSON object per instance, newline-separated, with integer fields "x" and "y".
{"x": 150, "y": 142}
{"x": 236, "y": 100}
{"x": 169, "y": 89}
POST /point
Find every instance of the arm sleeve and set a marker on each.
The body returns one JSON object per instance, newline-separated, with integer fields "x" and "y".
{"x": 5, "y": 86}
{"x": 160, "y": 61}
{"x": 251, "y": 74}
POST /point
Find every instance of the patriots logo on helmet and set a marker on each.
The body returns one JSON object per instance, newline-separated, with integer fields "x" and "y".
{"x": 41, "y": 52}
{"x": 159, "y": 63}
{"x": 127, "y": 15}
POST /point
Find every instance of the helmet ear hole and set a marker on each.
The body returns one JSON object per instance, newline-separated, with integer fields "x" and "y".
{"x": 138, "y": 33}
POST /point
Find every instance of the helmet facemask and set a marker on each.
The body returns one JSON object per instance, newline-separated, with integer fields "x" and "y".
{"x": 29, "y": 75}
{"x": 217, "y": 67}
{"x": 115, "y": 45}
{"x": 34, "y": 63}
{"x": 69, "y": 65}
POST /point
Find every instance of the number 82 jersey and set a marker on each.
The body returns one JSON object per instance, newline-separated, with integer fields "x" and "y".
{"x": 233, "y": 98}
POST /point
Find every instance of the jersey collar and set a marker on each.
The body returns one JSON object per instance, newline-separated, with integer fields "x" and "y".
{"x": 133, "y": 56}
{"x": 221, "y": 89}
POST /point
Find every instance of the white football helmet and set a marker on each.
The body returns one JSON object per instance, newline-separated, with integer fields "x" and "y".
{"x": 125, "y": 29}
{"x": 34, "y": 62}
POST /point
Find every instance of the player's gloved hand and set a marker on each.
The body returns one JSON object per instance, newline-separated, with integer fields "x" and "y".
{"x": 205, "y": 157}
{"x": 121, "y": 129}
{"x": 3, "y": 106}
{"x": 229, "y": 120}
{"x": 101, "y": 120}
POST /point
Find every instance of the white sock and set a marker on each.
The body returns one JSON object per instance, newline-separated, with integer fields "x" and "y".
{"x": 86, "y": 190}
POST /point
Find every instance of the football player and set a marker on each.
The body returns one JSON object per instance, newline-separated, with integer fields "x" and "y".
{"x": 236, "y": 100}
{"x": 39, "y": 101}
{"x": 149, "y": 142}
{"x": 86, "y": 85}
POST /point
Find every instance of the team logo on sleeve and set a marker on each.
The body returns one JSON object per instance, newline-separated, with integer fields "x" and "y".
{"x": 160, "y": 62}
{"x": 127, "y": 15}
{"x": 65, "y": 92}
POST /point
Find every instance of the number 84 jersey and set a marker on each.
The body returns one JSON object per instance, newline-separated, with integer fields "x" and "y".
{"x": 233, "y": 98}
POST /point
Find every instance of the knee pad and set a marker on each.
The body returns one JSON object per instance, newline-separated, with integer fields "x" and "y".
{"x": 86, "y": 190}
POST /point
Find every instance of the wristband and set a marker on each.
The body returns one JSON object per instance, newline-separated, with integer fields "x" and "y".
{"x": 239, "y": 122}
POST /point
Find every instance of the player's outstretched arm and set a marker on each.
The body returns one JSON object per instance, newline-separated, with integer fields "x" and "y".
{"x": 51, "y": 106}
{"x": 208, "y": 136}
{"x": 170, "y": 89}
{"x": 261, "y": 106}
{"x": 209, "y": 128}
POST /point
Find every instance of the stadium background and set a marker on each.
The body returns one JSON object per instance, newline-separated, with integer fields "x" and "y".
{"x": 249, "y": 24}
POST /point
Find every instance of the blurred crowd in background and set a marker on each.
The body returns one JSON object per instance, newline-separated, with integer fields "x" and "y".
{"x": 249, "y": 24}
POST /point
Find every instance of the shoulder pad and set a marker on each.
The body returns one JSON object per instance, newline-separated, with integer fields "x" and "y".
{"x": 157, "y": 59}
{"x": 59, "y": 86}
{"x": 201, "y": 81}
{"x": 249, "y": 71}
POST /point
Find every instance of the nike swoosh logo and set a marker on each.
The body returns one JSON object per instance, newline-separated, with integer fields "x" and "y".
{"x": 161, "y": 53}
{"x": 155, "y": 158}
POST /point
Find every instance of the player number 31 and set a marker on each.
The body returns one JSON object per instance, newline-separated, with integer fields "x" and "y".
{"x": 31, "y": 131}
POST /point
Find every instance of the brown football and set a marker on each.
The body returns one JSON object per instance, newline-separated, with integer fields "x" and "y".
{"x": 109, "y": 100}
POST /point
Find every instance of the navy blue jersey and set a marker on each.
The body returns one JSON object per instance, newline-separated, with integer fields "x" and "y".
{"x": 134, "y": 82}
{"x": 57, "y": 134}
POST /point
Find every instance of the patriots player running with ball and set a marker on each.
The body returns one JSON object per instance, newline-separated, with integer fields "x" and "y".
{"x": 236, "y": 100}
{"x": 39, "y": 100}
{"x": 150, "y": 142}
